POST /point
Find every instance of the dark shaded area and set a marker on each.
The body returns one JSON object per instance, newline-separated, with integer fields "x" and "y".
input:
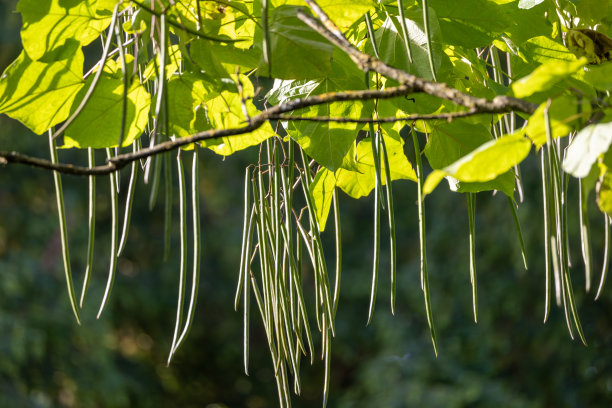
{"x": 508, "y": 359}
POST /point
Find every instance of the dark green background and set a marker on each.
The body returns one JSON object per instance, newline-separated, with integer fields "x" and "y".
{"x": 508, "y": 359}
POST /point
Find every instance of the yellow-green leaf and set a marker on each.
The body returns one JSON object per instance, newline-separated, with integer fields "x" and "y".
{"x": 40, "y": 94}
{"x": 564, "y": 113}
{"x": 322, "y": 190}
{"x": 545, "y": 76}
{"x": 47, "y": 24}
{"x": 99, "y": 123}
{"x": 485, "y": 163}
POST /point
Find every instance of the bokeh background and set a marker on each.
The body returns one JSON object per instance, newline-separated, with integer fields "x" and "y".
{"x": 510, "y": 358}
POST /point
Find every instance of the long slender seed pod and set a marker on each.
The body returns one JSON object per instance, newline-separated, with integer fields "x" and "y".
{"x": 547, "y": 253}
{"x": 167, "y": 204}
{"x": 157, "y": 164}
{"x": 267, "y": 257}
{"x": 320, "y": 265}
{"x": 246, "y": 315}
{"x": 91, "y": 224}
{"x": 405, "y": 33}
{"x": 555, "y": 226}
{"x": 298, "y": 287}
{"x": 368, "y": 21}
{"x": 197, "y": 237}
{"x": 161, "y": 79}
{"x": 327, "y": 362}
{"x": 391, "y": 216}
{"x": 585, "y": 234}
{"x": 561, "y": 230}
{"x": 261, "y": 303}
{"x": 161, "y": 89}
{"x": 424, "y": 274}
{"x": 572, "y": 304}
{"x": 128, "y": 202}
{"x": 471, "y": 205}
{"x": 519, "y": 231}
{"x": 376, "y": 153}
{"x": 566, "y": 307}
{"x": 606, "y": 260}
{"x": 376, "y": 253}
{"x": 61, "y": 212}
{"x": 183, "y": 262}
{"x": 377, "y": 201}
{"x": 263, "y": 247}
{"x": 244, "y": 252}
{"x": 125, "y": 76}
{"x": 338, "y": 231}
{"x": 114, "y": 235}
{"x": 428, "y": 35}
{"x": 266, "y": 36}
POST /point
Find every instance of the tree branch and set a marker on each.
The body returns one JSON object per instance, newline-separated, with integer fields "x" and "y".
{"x": 444, "y": 116}
{"x": 326, "y": 27}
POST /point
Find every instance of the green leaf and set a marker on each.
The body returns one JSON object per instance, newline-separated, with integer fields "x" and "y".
{"x": 322, "y": 190}
{"x": 545, "y": 77}
{"x": 600, "y": 76}
{"x": 174, "y": 60}
{"x": 590, "y": 143}
{"x": 47, "y": 24}
{"x": 99, "y": 123}
{"x": 448, "y": 142}
{"x": 504, "y": 182}
{"x": 292, "y": 40}
{"x": 219, "y": 60}
{"x": 40, "y": 94}
{"x": 604, "y": 194}
{"x": 491, "y": 159}
{"x": 470, "y": 23}
{"x": 485, "y": 163}
{"x": 187, "y": 94}
{"x": 392, "y": 50}
{"x": 360, "y": 183}
{"x": 225, "y": 111}
{"x": 329, "y": 143}
{"x": 565, "y": 112}
{"x": 342, "y": 12}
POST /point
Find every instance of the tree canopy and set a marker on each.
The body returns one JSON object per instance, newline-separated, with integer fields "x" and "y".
{"x": 337, "y": 96}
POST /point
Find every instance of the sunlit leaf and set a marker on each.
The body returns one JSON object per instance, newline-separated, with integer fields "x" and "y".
{"x": 604, "y": 194}
{"x": 322, "y": 190}
{"x": 600, "y": 76}
{"x": 545, "y": 76}
{"x": 99, "y": 124}
{"x": 564, "y": 112}
{"x": 448, "y": 142}
{"x": 187, "y": 94}
{"x": 485, "y": 163}
{"x": 292, "y": 40}
{"x": 47, "y": 24}
{"x": 360, "y": 183}
{"x": 587, "y": 146}
{"x": 225, "y": 111}
{"x": 392, "y": 50}
{"x": 40, "y": 94}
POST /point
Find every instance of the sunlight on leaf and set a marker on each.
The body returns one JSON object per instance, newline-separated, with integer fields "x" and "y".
{"x": 38, "y": 94}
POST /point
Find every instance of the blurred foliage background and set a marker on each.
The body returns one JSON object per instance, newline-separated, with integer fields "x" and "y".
{"x": 508, "y": 359}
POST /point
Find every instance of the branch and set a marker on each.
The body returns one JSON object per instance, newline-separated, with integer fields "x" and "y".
{"x": 120, "y": 161}
{"x": 365, "y": 62}
{"x": 410, "y": 118}
{"x": 324, "y": 26}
